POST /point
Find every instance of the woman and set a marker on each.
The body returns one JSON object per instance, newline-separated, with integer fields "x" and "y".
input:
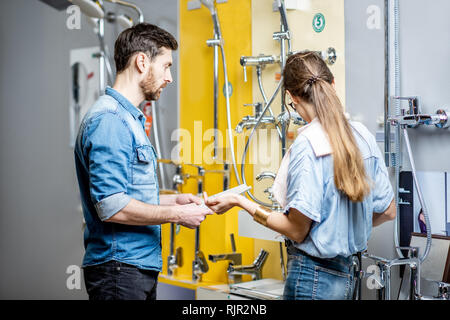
{"x": 332, "y": 184}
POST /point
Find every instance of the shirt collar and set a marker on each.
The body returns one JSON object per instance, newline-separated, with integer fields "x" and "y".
{"x": 135, "y": 112}
{"x": 317, "y": 137}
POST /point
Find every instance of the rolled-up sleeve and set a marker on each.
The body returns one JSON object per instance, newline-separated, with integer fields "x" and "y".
{"x": 108, "y": 149}
{"x": 305, "y": 181}
{"x": 382, "y": 192}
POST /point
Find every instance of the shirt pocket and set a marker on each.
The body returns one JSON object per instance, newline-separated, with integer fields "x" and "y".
{"x": 143, "y": 167}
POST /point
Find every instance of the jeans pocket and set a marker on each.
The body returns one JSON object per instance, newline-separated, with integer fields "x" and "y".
{"x": 331, "y": 284}
{"x": 95, "y": 278}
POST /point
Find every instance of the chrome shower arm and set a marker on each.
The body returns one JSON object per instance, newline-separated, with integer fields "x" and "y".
{"x": 129, "y": 5}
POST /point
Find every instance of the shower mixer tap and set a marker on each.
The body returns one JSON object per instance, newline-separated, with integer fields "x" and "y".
{"x": 412, "y": 117}
{"x": 257, "y": 61}
{"x": 249, "y": 122}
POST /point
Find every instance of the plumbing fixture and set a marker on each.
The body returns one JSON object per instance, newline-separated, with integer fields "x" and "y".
{"x": 249, "y": 122}
{"x": 329, "y": 55}
{"x": 199, "y": 265}
{"x": 285, "y": 117}
{"x": 234, "y": 258}
{"x": 414, "y": 263}
{"x": 283, "y": 36}
{"x": 217, "y": 42}
{"x": 258, "y": 61}
{"x": 276, "y": 207}
{"x": 443, "y": 291}
{"x": 411, "y": 118}
{"x": 269, "y": 175}
{"x": 255, "y": 269}
{"x": 174, "y": 259}
{"x": 401, "y": 120}
{"x": 95, "y": 12}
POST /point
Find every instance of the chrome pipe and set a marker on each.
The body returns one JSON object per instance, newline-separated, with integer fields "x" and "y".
{"x": 263, "y": 93}
{"x": 157, "y": 144}
{"x": 216, "y": 97}
{"x": 387, "y": 88}
{"x": 248, "y": 144}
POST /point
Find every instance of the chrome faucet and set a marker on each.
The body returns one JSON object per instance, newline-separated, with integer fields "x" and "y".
{"x": 269, "y": 175}
{"x": 412, "y": 117}
{"x": 385, "y": 266}
{"x": 249, "y": 122}
{"x": 174, "y": 261}
{"x": 199, "y": 266}
{"x": 234, "y": 258}
{"x": 255, "y": 269}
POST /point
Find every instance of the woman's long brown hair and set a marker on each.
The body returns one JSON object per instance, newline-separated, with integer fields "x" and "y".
{"x": 307, "y": 77}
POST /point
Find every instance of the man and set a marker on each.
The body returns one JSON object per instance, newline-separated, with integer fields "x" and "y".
{"x": 116, "y": 170}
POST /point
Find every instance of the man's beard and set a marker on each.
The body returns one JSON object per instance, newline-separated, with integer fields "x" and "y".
{"x": 149, "y": 89}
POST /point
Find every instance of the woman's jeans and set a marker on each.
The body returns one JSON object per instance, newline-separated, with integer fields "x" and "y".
{"x": 115, "y": 280}
{"x": 311, "y": 278}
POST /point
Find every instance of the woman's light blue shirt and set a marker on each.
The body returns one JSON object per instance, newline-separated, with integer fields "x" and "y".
{"x": 340, "y": 227}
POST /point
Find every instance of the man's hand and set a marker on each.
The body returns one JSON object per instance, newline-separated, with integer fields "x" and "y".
{"x": 191, "y": 215}
{"x": 187, "y": 198}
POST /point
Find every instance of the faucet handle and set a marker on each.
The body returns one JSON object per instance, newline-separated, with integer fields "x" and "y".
{"x": 201, "y": 262}
{"x": 179, "y": 256}
{"x": 245, "y": 73}
{"x": 413, "y": 102}
{"x": 233, "y": 243}
{"x": 261, "y": 259}
{"x": 413, "y": 252}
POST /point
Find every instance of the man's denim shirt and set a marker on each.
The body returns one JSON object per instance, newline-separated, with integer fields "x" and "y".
{"x": 116, "y": 162}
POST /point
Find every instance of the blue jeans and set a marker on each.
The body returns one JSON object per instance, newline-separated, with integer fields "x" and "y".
{"x": 311, "y": 278}
{"x": 115, "y": 280}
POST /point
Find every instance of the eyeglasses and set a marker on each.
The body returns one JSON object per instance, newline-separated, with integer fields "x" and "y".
{"x": 292, "y": 106}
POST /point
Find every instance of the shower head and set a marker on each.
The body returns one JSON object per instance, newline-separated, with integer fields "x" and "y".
{"x": 124, "y": 21}
{"x": 89, "y": 8}
{"x": 282, "y": 10}
{"x": 212, "y": 9}
{"x": 209, "y": 4}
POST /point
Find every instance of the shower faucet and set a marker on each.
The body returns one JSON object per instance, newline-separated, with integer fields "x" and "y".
{"x": 249, "y": 122}
{"x": 257, "y": 61}
{"x": 412, "y": 117}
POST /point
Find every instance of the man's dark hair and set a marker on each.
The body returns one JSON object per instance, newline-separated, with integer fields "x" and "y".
{"x": 143, "y": 37}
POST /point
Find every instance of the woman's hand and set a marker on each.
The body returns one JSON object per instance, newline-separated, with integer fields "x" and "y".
{"x": 221, "y": 204}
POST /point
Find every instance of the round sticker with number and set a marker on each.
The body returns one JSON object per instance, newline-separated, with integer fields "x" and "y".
{"x": 319, "y": 22}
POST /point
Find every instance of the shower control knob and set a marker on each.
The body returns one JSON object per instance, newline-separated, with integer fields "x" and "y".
{"x": 444, "y": 121}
